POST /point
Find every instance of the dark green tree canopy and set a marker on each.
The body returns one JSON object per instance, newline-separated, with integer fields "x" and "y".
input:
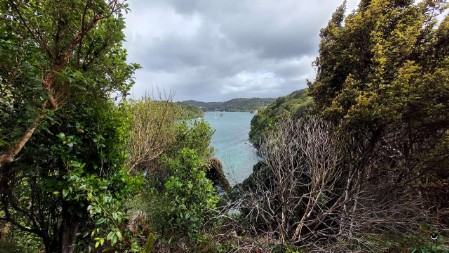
{"x": 388, "y": 62}
{"x": 61, "y": 135}
{"x": 54, "y": 54}
{"x": 383, "y": 79}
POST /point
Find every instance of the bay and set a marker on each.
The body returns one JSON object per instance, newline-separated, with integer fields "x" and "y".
{"x": 231, "y": 143}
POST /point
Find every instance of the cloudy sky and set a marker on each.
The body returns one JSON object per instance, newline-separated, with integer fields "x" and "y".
{"x": 216, "y": 50}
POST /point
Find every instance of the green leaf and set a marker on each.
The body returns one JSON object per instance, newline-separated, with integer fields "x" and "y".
{"x": 65, "y": 192}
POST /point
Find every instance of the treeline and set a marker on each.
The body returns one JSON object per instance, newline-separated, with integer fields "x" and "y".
{"x": 233, "y": 105}
{"x": 360, "y": 166}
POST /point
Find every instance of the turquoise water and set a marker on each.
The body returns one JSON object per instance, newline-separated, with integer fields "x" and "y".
{"x": 231, "y": 143}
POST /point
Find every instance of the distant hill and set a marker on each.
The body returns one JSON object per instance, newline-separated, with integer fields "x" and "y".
{"x": 233, "y": 105}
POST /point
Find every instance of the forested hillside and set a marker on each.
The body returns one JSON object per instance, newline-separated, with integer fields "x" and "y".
{"x": 296, "y": 105}
{"x": 233, "y": 105}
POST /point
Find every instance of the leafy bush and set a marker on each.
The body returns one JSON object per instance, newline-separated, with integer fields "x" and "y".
{"x": 178, "y": 199}
{"x": 188, "y": 195}
{"x": 195, "y": 135}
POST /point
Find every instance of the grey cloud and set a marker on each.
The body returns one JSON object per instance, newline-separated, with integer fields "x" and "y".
{"x": 218, "y": 50}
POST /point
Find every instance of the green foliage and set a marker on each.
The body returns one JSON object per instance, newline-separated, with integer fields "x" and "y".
{"x": 10, "y": 247}
{"x": 149, "y": 244}
{"x": 382, "y": 67}
{"x": 188, "y": 195}
{"x": 383, "y": 79}
{"x": 151, "y": 127}
{"x": 385, "y": 72}
{"x": 179, "y": 198}
{"x": 233, "y": 105}
{"x": 195, "y": 135}
{"x": 421, "y": 243}
{"x": 432, "y": 248}
{"x": 382, "y": 82}
{"x": 295, "y": 105}
{"x": 187, "y": 111}
{"x": 62, "y": 64}
{"x": 80, "y": 177}
{"x": 292, "y": 251}
{"x": 185, "y": 202}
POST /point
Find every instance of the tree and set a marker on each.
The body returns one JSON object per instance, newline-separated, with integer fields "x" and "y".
{"x": 294, "y": 194}
{"x": 152, "y": 130}
{"x": 61, "y": 137}
{"x": 179, "y": 198}
{"x": 153, "y": 127}
{"x": 51, "y": 52}
{"x": 188, "y": 196}
{"x": 383, "y": 79}
{"x": 387, "y": 66}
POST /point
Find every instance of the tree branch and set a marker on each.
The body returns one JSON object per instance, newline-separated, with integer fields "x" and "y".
{"x": 35, "y": 35}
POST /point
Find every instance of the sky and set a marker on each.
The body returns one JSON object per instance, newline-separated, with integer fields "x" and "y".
{"x": 216, "y": 50}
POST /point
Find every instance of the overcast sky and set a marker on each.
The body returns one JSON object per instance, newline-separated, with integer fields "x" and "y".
{"x": 216, "y": 50}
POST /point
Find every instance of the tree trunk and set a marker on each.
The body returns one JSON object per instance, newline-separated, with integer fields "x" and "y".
{"x": 69, "y": 235}
{"x": 63, "y": 241}
{"x": 69, "y": 231}
{"x": 9, "y": 155}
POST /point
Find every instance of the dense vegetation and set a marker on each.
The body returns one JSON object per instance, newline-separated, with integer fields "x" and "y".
{"x": 63, "y": 181}
{"x": 296, "y": 104}
{"x": 70, "y": 158}
{"x": 367, "y": 168}
{"x": 358, "y": 163}
{"x": 189, "y": 111}
{"x": 174, "y": 157}
{"x": 387, "y": 95}
{"x": 233, "y": 105}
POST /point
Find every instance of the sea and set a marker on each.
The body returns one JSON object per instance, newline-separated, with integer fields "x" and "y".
{"x": 231, "y": 143}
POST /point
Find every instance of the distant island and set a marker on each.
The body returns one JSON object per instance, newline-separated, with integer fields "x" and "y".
{"x": 233, "y": 105}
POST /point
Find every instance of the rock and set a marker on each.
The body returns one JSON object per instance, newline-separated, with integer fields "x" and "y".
{"x": 216, "y": 174}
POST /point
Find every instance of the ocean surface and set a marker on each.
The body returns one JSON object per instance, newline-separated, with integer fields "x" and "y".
{"x": 231, "y": 143}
